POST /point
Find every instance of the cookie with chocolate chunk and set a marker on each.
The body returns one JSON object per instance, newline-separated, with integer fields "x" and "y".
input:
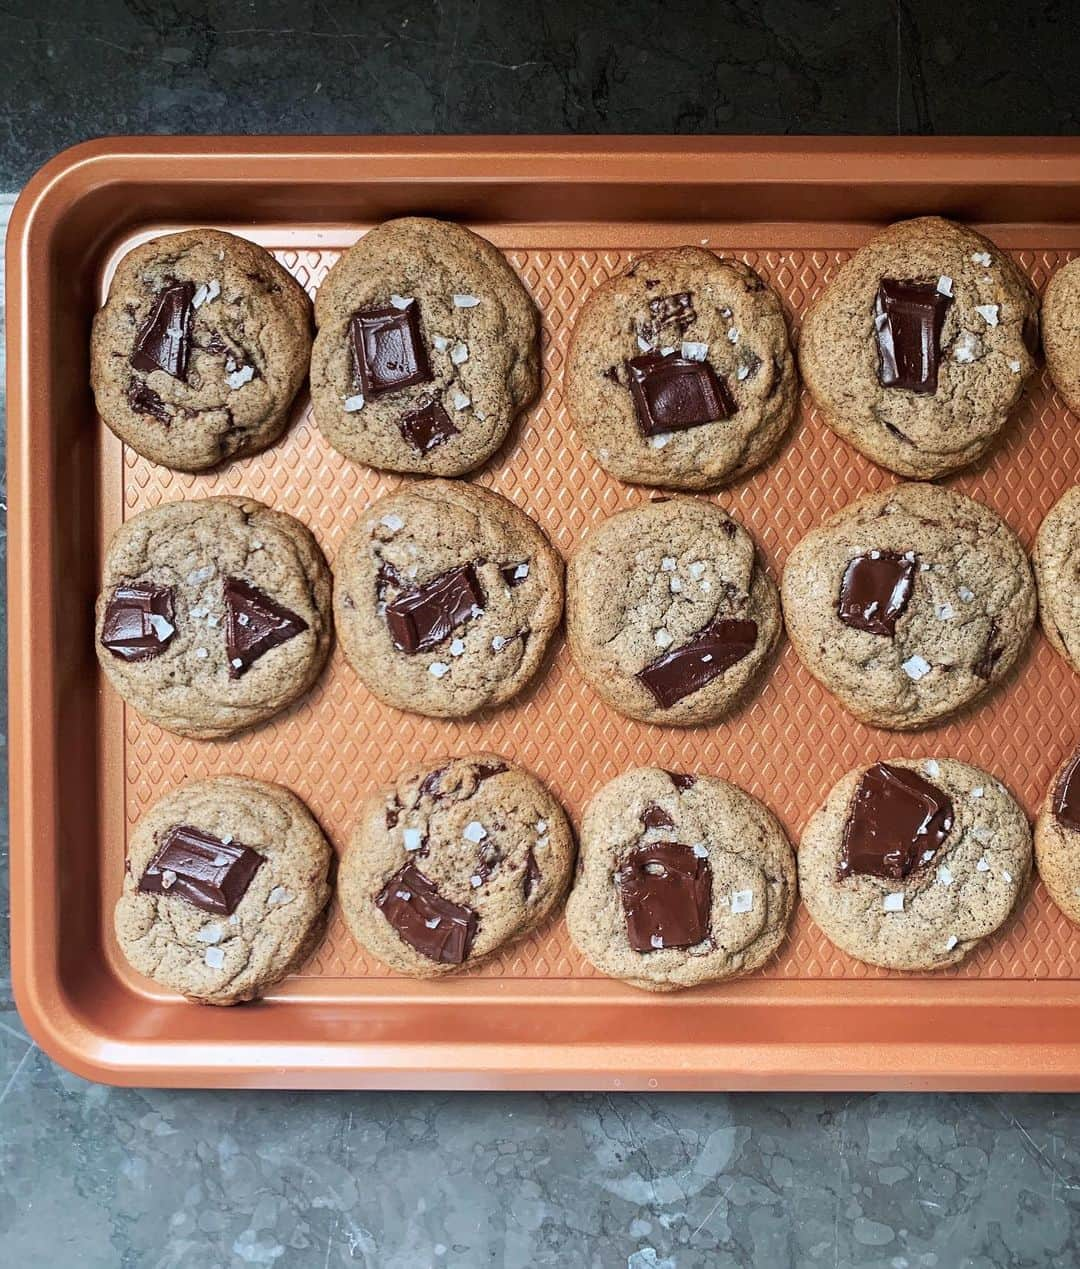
{"x": 680, "y": 371}
{"x": 213, "y": 615}
{"x": 1057, "y": 571}
{"x": 452, "y": 861}
{"x": 224, "y": 891}
{"x": 911, "y": 863}
{"x": 200, "y": 348}
{"x": 1057, "y": 837}
{"x": 671, "y": 616}
{"x": 1061, "y": 332}
{"x": 909, "y": 604}
{"x": 427, "y": 349}
{"x": 681, "y": 880}
{"x": 446, "y": 598}
{"x": 920, "y": 346}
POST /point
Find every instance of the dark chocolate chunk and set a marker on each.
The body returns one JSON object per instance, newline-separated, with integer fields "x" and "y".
{"x": 512, "y": 575}
{"x": 393, "y": 812}
{"x": 164, "y": 342}
{"x": 427, "y": 427}
{"x": 681, "y": 780}
{"x": 144, "y": 400}
{"x": 990, "y": 655}
{"x": 676, "y": 310}
{"x": 532, "y": 875}
{"x": 431, "y": 925}
{"x": 485, "y": 770}
{"x": 429, "y": 785}
{"x": 138, "y": 621}
{"x": 875, "y": 591}
{"x": 1067, "y": 795}
{"x": 612, "y": 373}
{"x": 421, "y": 619}
{"x": 254, "y": 623}
{"x": 211, "y": 874}
{"x": 655, "y": 816}
{"x": 708, "y": 654}
{"x": 672, "y": 393}
{"x": 896, "y": 823}
{"x": 666, "y": 893}
{"x": 908, "y": 318}
{"x": 387, "y": 350}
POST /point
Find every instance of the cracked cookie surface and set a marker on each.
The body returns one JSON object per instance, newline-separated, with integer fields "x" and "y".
{"x": 208, "y": 954}
{"x": 200, "y": 348}
{"x": 937, "y": 892}
{"x": 680, "y": 371}
{"x": 446, "y": 598}
{"x": 1057, "y": 837}
{"x": 213, "y": 615}
{"x": 681, "y": 880}
{"x": 1061, "y": 332}
{"x": 451, "y": 861}
{"x": 909, "y": 604}
{"x": 671, "y": 616}
{"x": 973, "y": 369}
{"x": 426, "y": 349}
{"x": 1057, "y": 570}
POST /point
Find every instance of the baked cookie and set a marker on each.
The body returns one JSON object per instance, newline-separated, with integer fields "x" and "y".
{"x": 1057, "y": 837}
{"x": 909, "y": 604}
{"x": 446, "y": 598}
{"x": 681, "y": 880}
{"x": 910, "y": 863}
{"x": 680, "y": 371}
{"x": 452, "y": 861}
{"x": 920, "y": 346}
{"x": 200, "y": 349}
{"x": 1061, "y": 332}
{"x": 426, "y": 351}
{"x": 669, "y": 614}
{"x": 213, "y": 615}
{"x": 224, "y": 889}
{"x": 1057, "y": 571}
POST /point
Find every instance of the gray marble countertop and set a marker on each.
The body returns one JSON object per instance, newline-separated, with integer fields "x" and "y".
{"x": 98, "y": 1177}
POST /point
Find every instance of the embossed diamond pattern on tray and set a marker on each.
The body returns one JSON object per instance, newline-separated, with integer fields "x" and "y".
{"x": 787, "y": 745}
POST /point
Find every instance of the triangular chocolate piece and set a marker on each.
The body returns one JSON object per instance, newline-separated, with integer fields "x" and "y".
{"x": 164, "y": 341}
{"x": 254, "y": 624}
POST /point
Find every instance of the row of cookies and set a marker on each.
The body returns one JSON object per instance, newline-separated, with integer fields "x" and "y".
{"x": 680, "y": 880}
{"x": 909, "y": 604}
{"x": 680, "y": 372}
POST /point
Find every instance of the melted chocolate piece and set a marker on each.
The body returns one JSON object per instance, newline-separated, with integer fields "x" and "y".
{"x": 989, "y": 657}
{"x": 672, "y": 393}
{"x": 393, "y": 813}
{"x": 708, "y": 654}
{"x": 144, "y": 400}
{"x": 421, "y": 619}
{"x": 612, "y": 373}
{"x": 1067, "y": 795}
{"x": 666, "y": 893}
{"x": 138, "y": 621}
{"x": 387, "y": 350}
{"x": 164, "y": 342}
{"x": 532, "y": 875}
{"x": 677, "y": 309}
{"x": 681, "y": 780}
{"x": 254, "y": 623}
{"x": 210, "y": 874}
{"x": 908, "y": 318}
{"x": 485, "y": 770}
{"x": 431, "y": 925}
{"x": 875, "y": 591}
{"x": 509, "y": 574}
{"x": 896, "y": 823}
{"x": 427, "y": 427}
{"x": 655, "y": 816}
{"x": 429, "y": 785}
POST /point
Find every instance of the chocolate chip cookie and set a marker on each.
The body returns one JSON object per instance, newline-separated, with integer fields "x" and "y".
{"x": 909, "y": 604}
{"x": 224, "y": 889}
{"x": 1061, "y": 332}
{"x": 447, "y": 596}
{"x": 680, "y": 371}
{"x": 670, "y": 615}
{"x": 426, "y": 351}
{"x": 452, "y": 861}
{"x": 213, "y": 615}
{"x": 919, "y": 348}
{"x": 681, "y": 880}
{"x": 1057, "y": 571}
{"x": 199, "y": 349}
{"x": 910, "y": 863}
{"x": 1057, "y": 837}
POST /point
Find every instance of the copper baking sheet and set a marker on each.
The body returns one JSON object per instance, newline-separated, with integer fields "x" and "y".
{"x": 567, "y": 213}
